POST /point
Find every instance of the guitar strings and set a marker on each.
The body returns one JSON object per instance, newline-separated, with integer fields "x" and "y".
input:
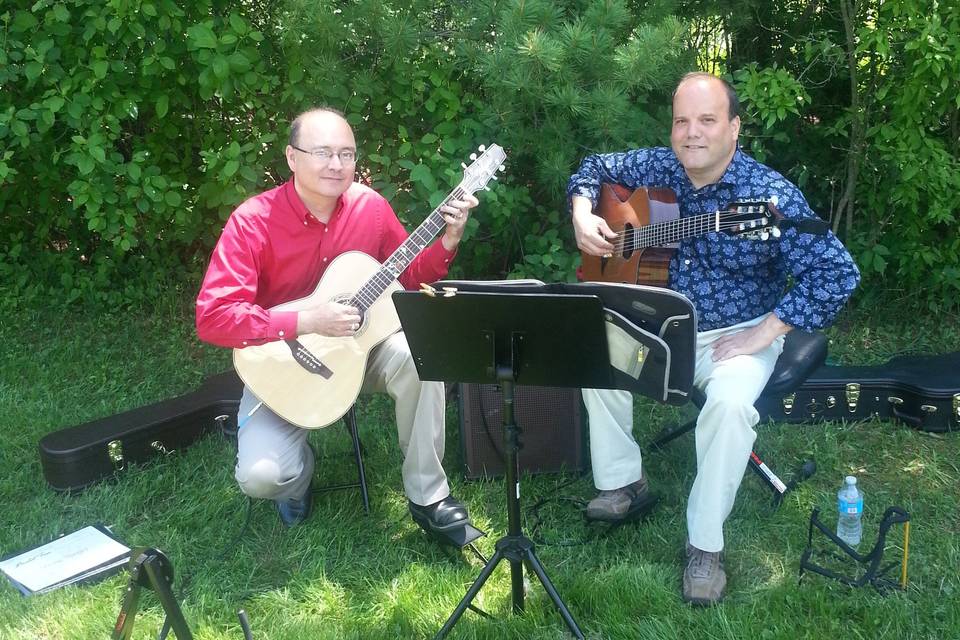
{"x": 674, "y": 230}
{"x": 400, "y": 259}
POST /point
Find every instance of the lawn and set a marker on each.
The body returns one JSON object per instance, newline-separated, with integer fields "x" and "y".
{"x": 346, "y": 575}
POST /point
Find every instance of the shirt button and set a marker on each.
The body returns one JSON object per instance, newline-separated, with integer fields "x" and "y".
{"x": 686, "y": 262}
{"x": 324, "y": 259}
{"x": 244, "y": 343}
{"x": 280, "y": 333}
{"x": 304, "y": 223}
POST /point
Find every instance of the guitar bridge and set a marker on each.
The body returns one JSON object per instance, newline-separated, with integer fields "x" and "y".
{"x": 307, "y": 360}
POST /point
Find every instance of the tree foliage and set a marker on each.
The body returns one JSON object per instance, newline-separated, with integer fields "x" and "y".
{"x": 857, "y": 101}
{"x": 129, "y": 129}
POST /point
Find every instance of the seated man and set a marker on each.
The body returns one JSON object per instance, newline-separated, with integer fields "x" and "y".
{"x": 739, "y": 288}
{"x": 273, "y": 249}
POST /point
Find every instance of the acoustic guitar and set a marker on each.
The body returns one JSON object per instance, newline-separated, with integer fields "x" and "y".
{"x": 312, "y": 380}
{"x": 648, "y": 219}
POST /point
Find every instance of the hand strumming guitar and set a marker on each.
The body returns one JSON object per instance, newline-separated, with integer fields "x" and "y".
{"x": 591, "y": 231}
{"x": 329, "y": 319}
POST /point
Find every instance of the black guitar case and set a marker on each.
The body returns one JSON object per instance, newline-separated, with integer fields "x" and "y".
{"x": 75, "y": 457}
{"x": 920, "y": 391}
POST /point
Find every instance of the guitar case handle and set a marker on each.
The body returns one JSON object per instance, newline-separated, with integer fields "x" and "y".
{"x": 914, "y": 421}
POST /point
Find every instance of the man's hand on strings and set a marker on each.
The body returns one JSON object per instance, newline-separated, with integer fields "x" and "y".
{"x": 593, "y": 234}
{"x": 329, "y": 319}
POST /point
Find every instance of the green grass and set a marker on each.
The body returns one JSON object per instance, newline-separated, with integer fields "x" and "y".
{"x": 344, "y": 575}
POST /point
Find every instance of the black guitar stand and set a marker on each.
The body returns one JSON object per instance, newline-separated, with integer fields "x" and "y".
{"x": 150, "y": 568}
{"x": 503, "y": 339}
{"x": 875, "y": 574}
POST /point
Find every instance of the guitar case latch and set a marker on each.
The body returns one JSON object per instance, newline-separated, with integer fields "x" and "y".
{"x": 853, "y": 396}
{"x": 115, "y": 452}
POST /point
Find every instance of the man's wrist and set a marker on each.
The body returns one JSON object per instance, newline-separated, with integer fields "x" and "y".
{"x": 775, "y": 327}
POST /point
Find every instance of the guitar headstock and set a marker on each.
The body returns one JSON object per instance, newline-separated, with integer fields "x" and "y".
{"x": 483, "y": 168}
{"x": 761, "y": 220}
{"x": 752, "y": 219}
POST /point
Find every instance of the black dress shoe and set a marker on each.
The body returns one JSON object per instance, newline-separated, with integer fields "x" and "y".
{"x": 295, "y": 510}
{"x": 442, "y": 515}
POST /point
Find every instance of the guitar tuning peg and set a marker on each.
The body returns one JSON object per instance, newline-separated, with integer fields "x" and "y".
{"x": 501, "y": 168}
{"x": 494, "y": 176}
{"x": 486, "y": 188}
{"x": 482, "y": 148}
{"x": 776, "y": 232}
{"x": 774, "y": 200}
{"x": 764, "y": 235}
{"x": 463, "y": 164}
{"x": 473, "y": 156}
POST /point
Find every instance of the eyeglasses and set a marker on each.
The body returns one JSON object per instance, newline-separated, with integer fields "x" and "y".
{"x": 347, "y": 156}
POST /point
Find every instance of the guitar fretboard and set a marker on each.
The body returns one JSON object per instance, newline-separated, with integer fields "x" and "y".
{"x": 400, "y": 259}
{"x": 671, "y": 231}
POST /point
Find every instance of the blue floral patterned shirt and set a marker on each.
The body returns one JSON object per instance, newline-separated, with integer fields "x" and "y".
{"x": 731, "y": 279}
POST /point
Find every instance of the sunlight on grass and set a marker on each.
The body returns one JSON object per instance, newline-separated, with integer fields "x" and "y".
{"x": 344, "y": 575}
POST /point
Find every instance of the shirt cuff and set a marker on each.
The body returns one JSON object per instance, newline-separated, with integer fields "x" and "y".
{"x": 282, "y": 325}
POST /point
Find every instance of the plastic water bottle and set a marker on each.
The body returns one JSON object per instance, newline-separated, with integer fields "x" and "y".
{"x": 850, "y": 511}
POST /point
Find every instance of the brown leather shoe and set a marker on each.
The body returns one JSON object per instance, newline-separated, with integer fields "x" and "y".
{"x": 704, "y": 580}
{"x": 613, "y": 505}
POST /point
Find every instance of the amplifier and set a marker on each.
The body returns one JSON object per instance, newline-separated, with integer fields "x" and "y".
{"x": 551, "y": 424}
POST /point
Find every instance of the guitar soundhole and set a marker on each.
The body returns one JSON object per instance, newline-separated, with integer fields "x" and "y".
{"x": 629, "y": 241}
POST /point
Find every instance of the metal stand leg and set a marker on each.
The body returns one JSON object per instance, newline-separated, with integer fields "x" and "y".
{"x": 515, "y": 547}
{"x": 351, "y": 420}
{"x": 150, "y": 568}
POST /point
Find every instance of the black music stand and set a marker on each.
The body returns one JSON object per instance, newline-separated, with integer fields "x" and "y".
{"x": 507, "y": 339}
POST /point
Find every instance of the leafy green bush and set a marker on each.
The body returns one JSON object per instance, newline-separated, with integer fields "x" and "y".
{"x": 874, "y": 138}
{"x": 130, "y": 129}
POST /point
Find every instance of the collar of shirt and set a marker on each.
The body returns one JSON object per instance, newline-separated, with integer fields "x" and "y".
{"x": 736, "y": 168}
{"x": 299, "y": 208}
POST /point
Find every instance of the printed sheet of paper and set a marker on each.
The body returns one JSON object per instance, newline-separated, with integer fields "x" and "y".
{"x": 72, "y": 556}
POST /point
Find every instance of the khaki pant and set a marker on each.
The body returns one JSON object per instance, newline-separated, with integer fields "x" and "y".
{"x": 724, "y": 433}
{"x": 274, "y": 461}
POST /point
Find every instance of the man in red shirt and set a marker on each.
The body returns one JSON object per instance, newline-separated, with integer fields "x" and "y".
{"x": 273, "y": 249}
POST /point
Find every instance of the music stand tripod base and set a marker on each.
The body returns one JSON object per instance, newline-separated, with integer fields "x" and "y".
{"x": 500, "y": 338}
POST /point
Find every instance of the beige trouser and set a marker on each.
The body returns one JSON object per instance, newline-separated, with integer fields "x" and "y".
{"x": 724, "y": 433}
{"x": 274, "y": 461}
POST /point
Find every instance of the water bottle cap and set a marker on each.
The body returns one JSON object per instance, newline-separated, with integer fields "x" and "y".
{"x": 850, "y": 480}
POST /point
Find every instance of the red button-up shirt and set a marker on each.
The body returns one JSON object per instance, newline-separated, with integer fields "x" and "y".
{"x": 272, "y": 250}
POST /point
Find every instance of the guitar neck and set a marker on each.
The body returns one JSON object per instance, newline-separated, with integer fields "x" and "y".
{"x": 400, "y": 259}
{"x": 661, "y": 233}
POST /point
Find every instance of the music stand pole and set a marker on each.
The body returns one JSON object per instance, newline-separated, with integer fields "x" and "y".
{"x": 501, "y": 338}
{"x": 515, "y": 547}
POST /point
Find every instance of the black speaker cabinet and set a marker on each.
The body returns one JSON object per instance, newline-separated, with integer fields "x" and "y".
{"x": 552, "y": 432}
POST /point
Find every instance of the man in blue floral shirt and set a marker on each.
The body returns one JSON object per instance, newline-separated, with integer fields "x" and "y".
{"x": 739, "y": 288}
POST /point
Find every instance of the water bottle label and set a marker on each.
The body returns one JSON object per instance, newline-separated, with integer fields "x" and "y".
{"x": 852, "y": 508}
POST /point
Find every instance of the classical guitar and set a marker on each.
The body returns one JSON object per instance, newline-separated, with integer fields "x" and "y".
{"x": 649, "y": 218}
{"x": 312, "y": 380}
